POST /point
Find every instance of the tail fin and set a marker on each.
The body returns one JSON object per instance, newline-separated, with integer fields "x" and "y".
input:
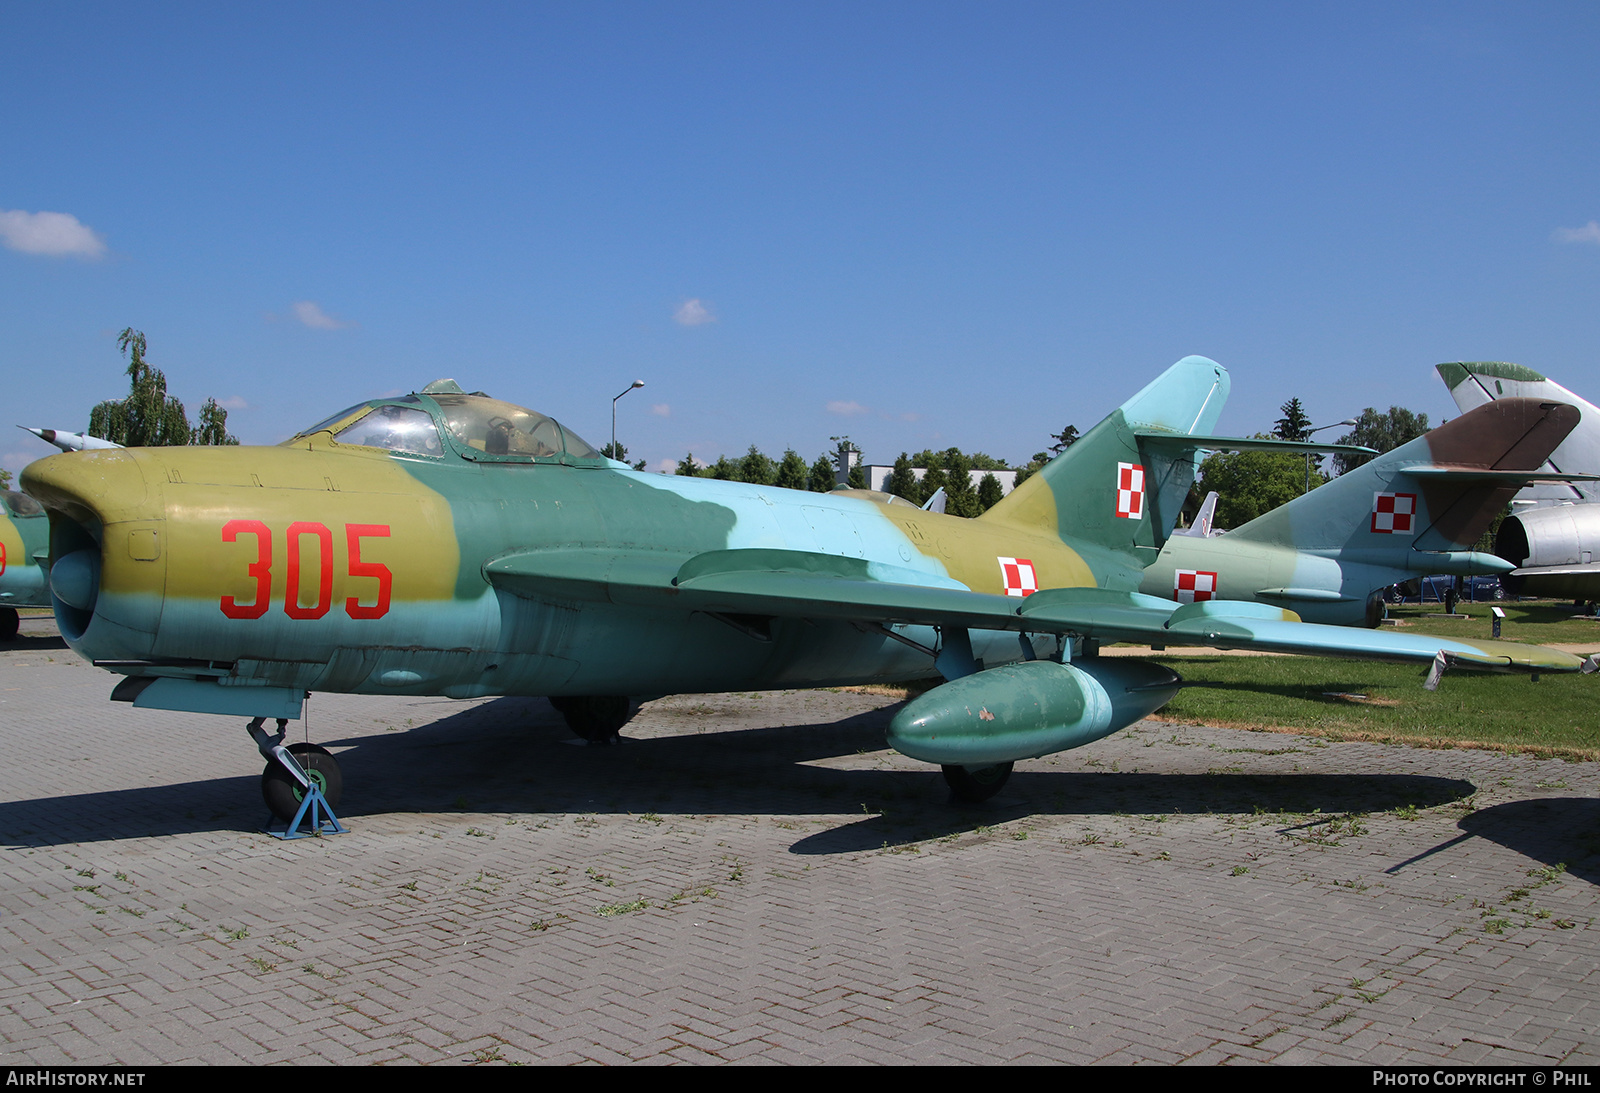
{"x": 1112, "y": 492}
{"x": 1474, "y": 383}
{"x": 1437, "y": 493}
{"x": 1203, "y": 520}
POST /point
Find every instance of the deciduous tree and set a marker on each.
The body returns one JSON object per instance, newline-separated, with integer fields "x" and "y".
{"x": 1383, "y": 432}
{"x": 1251, "y": 483}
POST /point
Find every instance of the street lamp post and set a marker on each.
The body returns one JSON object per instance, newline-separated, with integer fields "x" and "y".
{"x": 614, "y": 448}
{"x": 1347, "y": 422}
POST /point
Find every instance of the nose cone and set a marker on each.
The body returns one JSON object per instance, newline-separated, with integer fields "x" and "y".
{"x": 108, "y": 570}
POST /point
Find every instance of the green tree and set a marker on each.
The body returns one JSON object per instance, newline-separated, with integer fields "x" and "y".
{"x": 686, "y": 466}
{"x": 724, "y": 470}
{"x": 792, "y": 471}
{"x": 148, "y": 417}
{"x": 989, "y": 493}
{"x": 1382, "y": 432}
{"x": 1065, "y": 439}
{"x": 933, "y": 476}
{"x": 615, "y": 450}
{"x": 1294, "y": 424}
{"x": 903, "y": 480}
{"x": 1251, "y": 483}
{"x": 213, "y": 427}
{"x": 757, "y": 468}
{"x": 5, "y": 479}
{"x": 962, "y": 499}
{"x": 821, "y": 480}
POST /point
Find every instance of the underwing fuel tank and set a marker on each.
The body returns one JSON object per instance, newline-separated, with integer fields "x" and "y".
{"x": 1021, "y": 711}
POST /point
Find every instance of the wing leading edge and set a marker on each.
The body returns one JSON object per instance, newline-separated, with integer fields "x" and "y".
{"x": 796, "y": 584}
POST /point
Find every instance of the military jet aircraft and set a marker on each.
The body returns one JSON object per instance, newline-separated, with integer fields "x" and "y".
{"x": 447, "y": 543}
{"x": 24, "y": 538}
{"x": 1552, "y": 537}
{"x": 1416, "y": 510}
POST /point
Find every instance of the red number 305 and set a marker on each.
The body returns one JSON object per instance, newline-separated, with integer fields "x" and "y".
{"x": 294, "y": 580}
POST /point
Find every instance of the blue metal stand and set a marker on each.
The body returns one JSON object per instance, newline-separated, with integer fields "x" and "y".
{"x": 313, "y": 808}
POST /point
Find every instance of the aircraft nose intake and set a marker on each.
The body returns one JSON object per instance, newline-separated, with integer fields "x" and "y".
{"x": 75, "y": 579}
{"x": 108, "y": 563}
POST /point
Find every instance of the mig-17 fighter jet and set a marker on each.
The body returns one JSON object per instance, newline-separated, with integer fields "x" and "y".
{"x": 447, "y": 543}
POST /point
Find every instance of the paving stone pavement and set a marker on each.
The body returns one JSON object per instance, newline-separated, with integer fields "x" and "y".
{"x": 754, "y": 878}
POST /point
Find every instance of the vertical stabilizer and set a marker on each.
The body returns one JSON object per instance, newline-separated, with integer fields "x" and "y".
{"x": 1475, "y": 383}
{"x": 1426, "y": 495}
{"x": 1111, "y": 496}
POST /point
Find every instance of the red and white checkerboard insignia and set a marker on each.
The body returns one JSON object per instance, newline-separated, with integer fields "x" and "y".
{"x": 1193, "y": 586}
{"x": 1394, "y": 513}
{"x": 1130, "y": 491}
{"x": 1019, "y": 577}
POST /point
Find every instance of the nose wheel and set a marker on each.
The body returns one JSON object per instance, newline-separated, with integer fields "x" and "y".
{"x": 301, "y": 784}
{"x": 596, "y": 718}
{"x": 284, "y": 794}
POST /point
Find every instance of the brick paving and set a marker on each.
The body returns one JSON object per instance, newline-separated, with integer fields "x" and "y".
{"x": 754, "y": 878}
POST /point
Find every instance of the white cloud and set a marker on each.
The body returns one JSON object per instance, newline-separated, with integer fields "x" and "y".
{"x": 661, "y": 409}
{"x": 233, "y": 402}
{"x": 693, "y": 313}
{"x": 311, "y": 314}
{"x": 1589, "y": 233}
{"x": 666, "y": 466}
{"x": 49, "y": 233}
{"x": 846, "y": 408}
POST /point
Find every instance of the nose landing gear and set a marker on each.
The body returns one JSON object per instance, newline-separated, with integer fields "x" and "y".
{"x": 301, "y": 784}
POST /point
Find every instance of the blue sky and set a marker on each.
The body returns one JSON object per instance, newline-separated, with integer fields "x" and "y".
{"x": 920, "y": 224}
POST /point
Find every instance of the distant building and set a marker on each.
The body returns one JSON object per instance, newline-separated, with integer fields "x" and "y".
{"x": 878, "y": 477}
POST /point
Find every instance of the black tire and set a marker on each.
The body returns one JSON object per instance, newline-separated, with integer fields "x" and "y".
{"x": 10, "y": 623}
{"x": 972, "y": 785}
{"x": 597, "y": 718}
{"x": 283, "y": 794}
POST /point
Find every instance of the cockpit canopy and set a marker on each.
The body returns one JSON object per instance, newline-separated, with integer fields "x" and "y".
{"x": 19, "y": 504}
{"x": 444, "y": 418}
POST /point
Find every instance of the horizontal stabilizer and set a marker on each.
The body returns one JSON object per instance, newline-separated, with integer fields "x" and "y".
{"x": 1459, "y": 473}
{"x": 1184, "y": 442}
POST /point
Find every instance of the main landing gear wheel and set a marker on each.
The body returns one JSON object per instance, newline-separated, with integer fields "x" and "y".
{"x": 970, "y": 785}
{"x": 283, "y": 794}
{"x": 596, "y": 718}
{"x": 10, "y": 623}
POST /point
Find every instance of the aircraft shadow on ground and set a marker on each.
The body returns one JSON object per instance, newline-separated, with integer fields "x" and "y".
{"x": 1554, "y": 830}
{"x": 34, "y": 643}
{"x": 516, "y": 755}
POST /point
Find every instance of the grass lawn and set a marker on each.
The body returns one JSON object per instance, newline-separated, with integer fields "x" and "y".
{"x": 1541, "y": 622}
{"x": 1372, "y": 700}
{"x": 1368, "y": 700}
